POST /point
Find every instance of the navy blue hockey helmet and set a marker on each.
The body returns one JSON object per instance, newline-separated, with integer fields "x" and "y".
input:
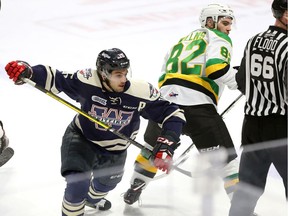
{"x": 279, "y": 7}
{"x": 111, "y": 59}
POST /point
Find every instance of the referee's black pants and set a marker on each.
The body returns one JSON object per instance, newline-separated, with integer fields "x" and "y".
{"x": 264, "y": 141}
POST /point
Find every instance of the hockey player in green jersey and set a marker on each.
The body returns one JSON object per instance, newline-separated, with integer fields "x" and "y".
{"x": 195, "y": 71}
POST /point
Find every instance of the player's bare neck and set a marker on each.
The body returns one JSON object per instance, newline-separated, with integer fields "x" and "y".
{"x": 279, "y": 23}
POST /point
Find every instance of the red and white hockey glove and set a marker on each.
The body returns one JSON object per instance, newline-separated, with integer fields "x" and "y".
{"x": 164, "y": 150}
{"x": 17, "y": 70}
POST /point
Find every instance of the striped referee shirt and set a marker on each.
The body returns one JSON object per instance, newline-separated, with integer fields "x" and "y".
{"x": 262, "y": 76}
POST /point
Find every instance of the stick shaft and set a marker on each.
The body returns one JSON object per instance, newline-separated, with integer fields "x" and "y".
{"x": 83, "y": 113}
{"x": 231, "y": 105}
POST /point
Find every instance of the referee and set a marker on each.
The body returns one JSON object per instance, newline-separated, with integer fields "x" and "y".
{"x": 262, "y": 78}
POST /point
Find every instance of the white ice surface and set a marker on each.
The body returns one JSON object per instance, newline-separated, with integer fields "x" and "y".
{"x": 68, "y": 35}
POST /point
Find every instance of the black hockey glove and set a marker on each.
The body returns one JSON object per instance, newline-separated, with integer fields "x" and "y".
{"x": 236, "y": 67}
{"x": 164, "y": 150}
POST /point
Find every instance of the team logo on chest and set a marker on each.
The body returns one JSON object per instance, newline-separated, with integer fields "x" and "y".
{"x": 115, "y": 100}
{"x": 114, "y": 118}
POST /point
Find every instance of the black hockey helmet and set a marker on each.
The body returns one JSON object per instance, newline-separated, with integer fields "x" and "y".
{"x": 279, "y": 7}
{"x": 111, "y": 59}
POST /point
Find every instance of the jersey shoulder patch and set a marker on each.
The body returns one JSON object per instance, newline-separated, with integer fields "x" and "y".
{"x": 143, "y": 89}
{"x": 89, "y": 76}
{"x": 86, "y": 73}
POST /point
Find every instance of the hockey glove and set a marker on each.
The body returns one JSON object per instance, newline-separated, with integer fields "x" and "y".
{"x": 236, "y": 67}
{"x": 17, "y": 70}
{"x": 164, "y": 150}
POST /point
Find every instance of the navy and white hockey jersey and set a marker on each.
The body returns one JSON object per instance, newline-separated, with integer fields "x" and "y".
{"x": 120, "y": 111}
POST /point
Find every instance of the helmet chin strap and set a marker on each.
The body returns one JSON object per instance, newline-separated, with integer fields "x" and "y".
{"x": 104, "y": 80}
{"x": 107, "y": 82}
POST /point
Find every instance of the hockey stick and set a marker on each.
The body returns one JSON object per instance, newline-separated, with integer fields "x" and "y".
{"x": 107, "y": 127}
{"x": 147, "y": 151}
{"x": 83, "y": 113}
{"x": 184, "y": 156}
{"x": 231, "y": 106}
{"x": 6, "y": 155}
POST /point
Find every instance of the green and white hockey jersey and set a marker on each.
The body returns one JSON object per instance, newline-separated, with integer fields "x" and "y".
{"x": 197, "y": 68}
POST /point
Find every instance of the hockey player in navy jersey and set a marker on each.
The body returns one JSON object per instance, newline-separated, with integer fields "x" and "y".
{"x": 195, "y": 71}
{"x": 93, "y": 158}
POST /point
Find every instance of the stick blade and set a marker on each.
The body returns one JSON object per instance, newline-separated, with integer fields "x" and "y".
{"x": 6, "y": 155}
